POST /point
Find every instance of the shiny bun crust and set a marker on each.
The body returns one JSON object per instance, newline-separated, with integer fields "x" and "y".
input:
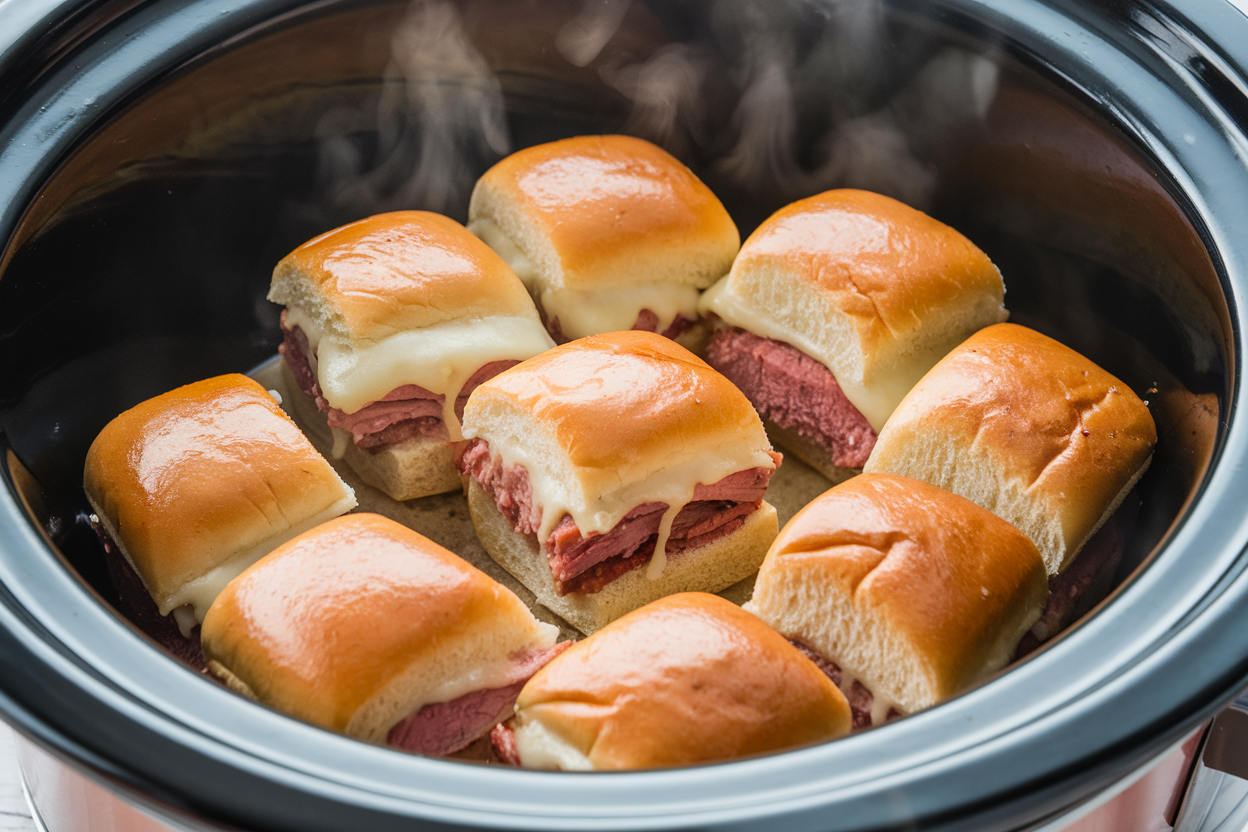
{"x": 396, "y": 272}
{"x": 595, "y": 211}
{"x": 688, "y": 679}
{"x": 608, "y": 411}
{"x": 913, "y": 591}
{"x": 359, "y": 623}
{"x": 868, "y": 286}
{"x": 197, "y": 478}
{"x": 1027, "y": 428}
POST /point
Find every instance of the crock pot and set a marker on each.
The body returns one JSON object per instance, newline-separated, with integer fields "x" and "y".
{"x": 157, "y": 158}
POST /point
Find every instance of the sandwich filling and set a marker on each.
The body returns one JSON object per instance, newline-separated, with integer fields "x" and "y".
{"x": 585, "y": 563}
{"x": 867, "y": 709}
{"x": 443, "y": 728}
{"x": 794, "y": 392}
{"x": 408, "y": 411}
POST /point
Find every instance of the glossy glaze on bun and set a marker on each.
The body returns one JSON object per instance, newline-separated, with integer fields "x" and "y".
{"x": 872, "y": 289}
{"x": 910, "y": 590}
{"x": 689, "y": 679}
{"x": 196, "y": 484}
{"x": 361, "y": 622}
{"x": 605, "y": 214}
{"x": 1027, "y": 428}
{"x": 395, "y": 272}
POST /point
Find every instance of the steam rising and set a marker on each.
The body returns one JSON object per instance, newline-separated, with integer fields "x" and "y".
{"x": 770, "y": 102}
{"x": 439, "y": 123}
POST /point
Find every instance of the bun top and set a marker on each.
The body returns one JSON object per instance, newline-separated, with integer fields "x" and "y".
{"x": 596, "y": 420}
{"x": 935, "y": 590}
{"x": 868, "y": 286}
{"x": 1037, "y": 433}
{"x": 595, "y": 211}
{"x": 397, "y": 272}
{"x": 359, "y": 622}
{"x": 687, "y": 679}
{"x": 194, "y": 478}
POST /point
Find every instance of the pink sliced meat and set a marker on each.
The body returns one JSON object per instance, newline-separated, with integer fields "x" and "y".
{"x": 446, "y": 727}
{"x": 795, "y": 392}
{"x": 860, "y": 697}
{"x": 508, "y": 484}
{"x": 136, "y": 604}
{"x": 406, "y": 412}
{"x": 503, "y": 740}
{"x": 715, "y": 511}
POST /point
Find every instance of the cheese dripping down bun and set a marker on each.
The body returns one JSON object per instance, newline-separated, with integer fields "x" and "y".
{"x": 601, "y": 426}
{"x": 1027, "y": 428}
{"x": 872, "y": 289}
{"x": 360, "y": 623}
{"x": 913, "y": 592}
{"x": 601, "y": 227}
{"x": 688, "y": 679}
{"x": 197, "y": 484}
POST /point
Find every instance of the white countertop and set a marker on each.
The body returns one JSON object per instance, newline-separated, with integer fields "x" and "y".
{"x": 14, "y": 814}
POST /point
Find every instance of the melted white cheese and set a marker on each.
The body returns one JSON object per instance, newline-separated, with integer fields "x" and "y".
{"x": 615, "y": 308}
{"x": 440, "y": 358}
{"x": 673, "y": 484}
{"x": 876, "y": 401}
{"x": 539, "y": 747}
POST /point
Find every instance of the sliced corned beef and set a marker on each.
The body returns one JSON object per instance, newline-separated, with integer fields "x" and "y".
{"x": 585, "y": 564}
{"x": 137, "y": 605}
{"x": 860, "y": 697}
{"x": 795, "y": 392}
{"x": 406, "y": 412}
{"x": 445, "y": 727}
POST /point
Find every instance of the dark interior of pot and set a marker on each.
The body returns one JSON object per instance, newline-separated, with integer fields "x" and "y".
{"x": 145, "y": 262}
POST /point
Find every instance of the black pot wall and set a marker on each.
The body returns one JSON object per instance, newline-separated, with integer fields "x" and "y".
{"x": 158, "y": 159}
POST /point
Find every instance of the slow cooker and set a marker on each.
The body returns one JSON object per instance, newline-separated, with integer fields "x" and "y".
{"x": 157, "y": 158}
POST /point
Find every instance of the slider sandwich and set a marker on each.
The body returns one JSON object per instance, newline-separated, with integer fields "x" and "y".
{"x": 390, "y": 322}
{"x": 615, "y": 470}
{"x": 687, "y": 679}
{"x": 609, "y": 233}
{"x": 364, "y": 627}
{"x": 1034, "y": 432}
{"x": 192, "y": 487}
{"x": 835, "y": 307}
{"x": 904, "y": 593}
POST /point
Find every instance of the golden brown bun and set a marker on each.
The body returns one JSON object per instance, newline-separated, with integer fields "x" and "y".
{"x": 688, "y": 679}
{"x": 202, "y": 477}
{"x": 911, "y": 590}
{"x": 710, "y": 568}
{"x": 595, "y": 211}
{"x": 361, "y": 622}
{"x": 606, "y": 412}
{"x": 395, "y": 272}
{"x": 1027, "y": 428}
{"x": 871, "y": 288}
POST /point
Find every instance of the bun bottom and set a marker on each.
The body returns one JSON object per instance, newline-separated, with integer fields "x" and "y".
{"x": 711, "y": 568}
{"x": 807, "y": 451}
{"x": 404, "y": 471}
